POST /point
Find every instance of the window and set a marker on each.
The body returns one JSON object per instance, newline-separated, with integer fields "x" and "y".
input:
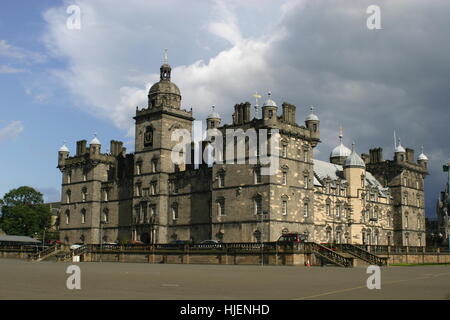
{"x": 84, "y": 176}
{"x": 284, "y": 207}
{"x": 138, "y": 168}
{"x": 258, "y": 205}
{"x": 338, "y": 210}
{"x": 284, "y": 151}
{"x": 154, "y": 165}
{"x": 153, "y": 210}
{"x": 418, "y": 201}
{"x": 105, "y": 195}
{"x": 105, "y": 217}
{"x": 67, "y": 216}
{"x": 270, "y": 114}
{"x": 306, "y": 209}
{"x": 145, "y": 192}
{"x": 328, "y": 209}
{"x": 138, "y": 190}
{"x": 221, "y": 178}
{"x": 69, "y": 177}
{"x": 406, "y": 221}
{"x": 306, "y": 181}
{"x": 83, "y": 194}
{"x": 68, "y": 196}
{"x": 305, "y": 156}
{"x": 257, "y": 175}
{"x": 175, "y": 211}
{"x": 362, "y": 182}
{"x": 405, "y": 199}
{"x": 83, "y": 216}
{"x": 419, "y": 222}
{"x": 221, "y": 207}
{"x": 153, "y": 186}
{"x": 284, "y": 178}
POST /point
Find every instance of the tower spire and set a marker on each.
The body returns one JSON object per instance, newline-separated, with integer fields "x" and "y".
{"x": 341, "y": 133}
{"x": 166, "y": 59}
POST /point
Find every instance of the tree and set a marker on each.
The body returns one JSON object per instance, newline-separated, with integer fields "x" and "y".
{"x": 24, "y": 212}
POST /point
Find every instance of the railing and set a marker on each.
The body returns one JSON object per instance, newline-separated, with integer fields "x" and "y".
{"x": 75, "y": 252}
{"x": 330, "y": 255}
{"x": 45, "y": 253}
{"x": 363, "y": 254}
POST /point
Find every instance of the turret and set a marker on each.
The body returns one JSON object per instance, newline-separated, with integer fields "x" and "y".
{"x": 354, "y": 172}
{"x": 95, "y": 146}
{"x": 400, "y": 153}
{"x": 270, "y": 109}
{"x": 63, "y": 154}
{"x": 313, "y": 124}
{"x": 341, "y": 152}
{"x": 422, "y": 159}
{"x": 213, "y": 120}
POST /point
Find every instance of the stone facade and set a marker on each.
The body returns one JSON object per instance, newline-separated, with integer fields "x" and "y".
{"x": 115, "y": 196}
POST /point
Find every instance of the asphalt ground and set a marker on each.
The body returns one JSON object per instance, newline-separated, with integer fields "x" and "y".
{"x": 21, "y": 279}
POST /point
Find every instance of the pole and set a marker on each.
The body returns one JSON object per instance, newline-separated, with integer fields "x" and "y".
{"x": 262, "y": 242}
{"x": 101, "y": 241}
{"x": 43, "y": 239}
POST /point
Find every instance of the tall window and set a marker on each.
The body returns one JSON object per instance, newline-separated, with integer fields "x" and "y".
{"x": 105, "y": 215}
{"x": 284, "y": 150}
{"x": 221, "y": 207}
{"x": 153, "y": 210}
{"x": 83, "y": 216}
{"x": 258, "y": 205}
{"x": 305, "y": 156}
{"x": 362, "y": 182}
{"x": 406, "y": 220}
{"x": 284, "y": 178}
{"x": 419, "y": 222}
{"x": 328, "y": 209}
{"x": 69, "y": 176}
{"x": 67, "y": 216}
{"x": 175, "y": 211}
{"x": 105, "y": 195}
{"x": 154, "y": 165}
{"x": 305, "y": 181}
{"x": 153, "y": 185}
{"x": 138, "y": 168}
{"x": 284, "y": 207}
{"x": 338, "y": 210}
{"x": 221, "y": 178}
{"x": 84, "y": 176}
{"x": 68, "y": 196}
{"x": 83, "y": 194}
{"x": 257, "y": 175}
{"x": 138, "y": 190}
{"x": 306, "y": 209}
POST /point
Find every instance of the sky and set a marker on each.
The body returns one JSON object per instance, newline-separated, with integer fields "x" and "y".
{"x": 60, "y": 83}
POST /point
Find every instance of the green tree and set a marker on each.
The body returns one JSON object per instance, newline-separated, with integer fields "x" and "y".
{"x": 24, "y": 212}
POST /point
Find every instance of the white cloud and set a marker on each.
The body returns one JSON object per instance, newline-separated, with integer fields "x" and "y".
{"x": 11, "y": 130}
{"x": 11, "y": 51}
{"x": 5, "y": 69}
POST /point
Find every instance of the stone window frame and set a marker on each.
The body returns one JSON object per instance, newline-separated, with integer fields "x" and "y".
{"x": 258, "y": 204}
{"x": 305, "y": 179}
{"x": 306, "y": 208}
{"x": 220, "y": 203}
{"x": 284, "y": 205}
{"x": 105, "y": 215}
{"x": 221, "y": 178}
{"x": 284, "y": 175}
{"x": 257, "y": 178}
{"x": 67, "y": 216}
{"x": 153, "y": 187}
{"x": 69, "y": 176}
{"x": 284, "y": 148}
{"x": 328, "y": 208}
{"x": 68, "y": 196}
{"x": 84, "y": 194}
{"x": 174, "y": 211}
{"x": 83, "y": 216}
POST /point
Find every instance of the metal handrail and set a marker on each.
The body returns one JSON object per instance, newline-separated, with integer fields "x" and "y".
{"x": 364, "y": 255}
{"x": 331, "y": 255}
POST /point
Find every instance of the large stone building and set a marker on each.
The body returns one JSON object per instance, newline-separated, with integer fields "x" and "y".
{"x": 144, "y": 196}
{"x": 442, "y": 234}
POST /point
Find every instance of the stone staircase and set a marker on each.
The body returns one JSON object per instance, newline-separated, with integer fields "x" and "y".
{"x": 67, "y": 256}
{"x": 46, "y": 253}
{"x": 364, "y": 255}
{"x": 330, "y": 256}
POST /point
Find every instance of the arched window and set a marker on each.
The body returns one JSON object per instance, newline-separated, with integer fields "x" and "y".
{"x": 83, "y": 215}
{"x": 284, "y": 208}
{"x": 84, "y": 194}
{"x": 221, "y": 179}
{"x": 257, "y": 175}
{"x": 306, "y": 208}
{"x": 221, "y": 206}
{"x": 328, "y": 208}
{"x": 154, "y": 165}
{"x": 67, "y": 214}
{"x": 258, "y": 204}
{"x": 174, "y": 211}
{"x": 105, "y": 217}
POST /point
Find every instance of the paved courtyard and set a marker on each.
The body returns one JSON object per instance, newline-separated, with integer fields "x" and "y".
{"x": 47, "y": 280}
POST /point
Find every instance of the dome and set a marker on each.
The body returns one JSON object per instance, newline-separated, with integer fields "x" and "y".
{"x": 269, "y": 102}
{"x": 312, "y": 116}
{"x": 64, "y": 148}
{"x": 340, "y": 151}
{"x": 354, "y": 160}
{"x": 164, "y": 86}
{"x": 399, "y": 148}
{"x": 213, "y": 115}
{"x": 422, "y": 157}
{"x": 95, "y": 141}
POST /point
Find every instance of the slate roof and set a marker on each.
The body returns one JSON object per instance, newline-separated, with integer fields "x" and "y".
{"x": 7, "y": 238}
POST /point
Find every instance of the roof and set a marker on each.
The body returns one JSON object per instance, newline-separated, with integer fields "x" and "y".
{"x": 334, "y": 172}
{"x": 354, "y": 160}
{"x": 95, "y": 141}
{"x": 7, "y": 238}
{"x": 340, "y": 151}
{"x": 64, "y": 148}
{"x": 422, "y": 156}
